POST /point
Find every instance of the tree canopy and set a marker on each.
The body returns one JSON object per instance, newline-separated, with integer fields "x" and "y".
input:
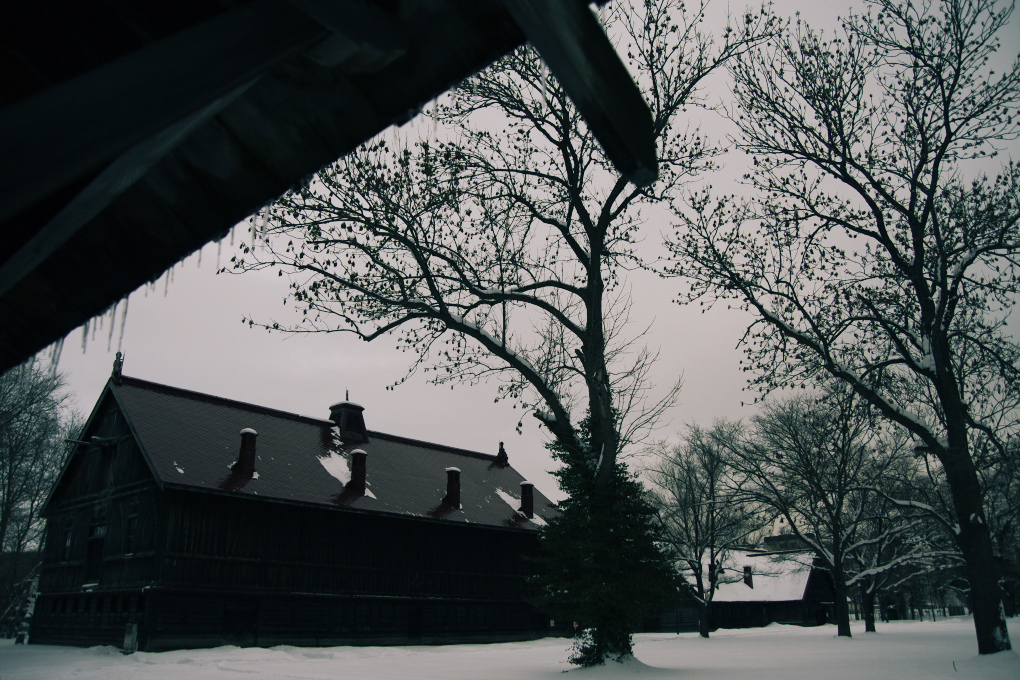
{"x": 865, "y": 249}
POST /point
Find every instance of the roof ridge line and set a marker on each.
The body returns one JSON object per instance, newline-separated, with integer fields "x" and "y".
{"x": 140, "y": 382}
{"x": 434, "y": 445}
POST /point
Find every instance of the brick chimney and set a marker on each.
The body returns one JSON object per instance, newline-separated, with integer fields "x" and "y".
{"x": 528, "y": 499}
{"x": 359, "y": 468}
{"x": 452, "y": 498}
{"x": 245, "y": 464}
{"x": 748, "y": 577}
{"x": 349, "y": 419}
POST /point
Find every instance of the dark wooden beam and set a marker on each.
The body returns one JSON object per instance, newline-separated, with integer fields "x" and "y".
{"x": 572, "y": 43}
{"x": 77, "y": 127}
{"x": 109, "y": 178}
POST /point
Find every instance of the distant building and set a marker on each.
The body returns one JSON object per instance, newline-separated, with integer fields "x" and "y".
{"x": 188, "y": 520}
{"x": 757, "y": 588}
{"x": 774, "y": 588}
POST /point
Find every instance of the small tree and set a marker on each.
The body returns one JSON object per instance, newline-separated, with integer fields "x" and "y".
{"x": 895, "y": 543}
{"x": 811, "y": 461}
{"x": 702, "y": 519}
{"x": 602, "y": 566}
{"x": 865, "y": 254}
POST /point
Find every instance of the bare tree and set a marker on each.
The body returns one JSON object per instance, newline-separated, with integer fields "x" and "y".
{"x": 896, "y": 543}
{"x": 811, "y": 461}
{"x": 501, "y": 252}
{"x": 33, "y": 426}
{"x": 865, "y": 254}
{"x": 498, "y": 248}
{"x": 702, "y": 519}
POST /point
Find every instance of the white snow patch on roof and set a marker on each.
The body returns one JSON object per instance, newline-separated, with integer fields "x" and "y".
{"x": 776, "y": 578}
{"x": 515, "y": 504}
{"x": 337, "y": 466}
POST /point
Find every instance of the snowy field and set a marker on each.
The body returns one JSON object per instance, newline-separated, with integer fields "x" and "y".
{"x": 899, "y": 651}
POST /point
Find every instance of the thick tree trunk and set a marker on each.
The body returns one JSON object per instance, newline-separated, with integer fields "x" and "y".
{"x": 841, "y": 609}
{"x": 703, "y": 621}
{"x": 868, "y": 605}
{"x": 973, "y": 536}
{"x": 975, "y": 542}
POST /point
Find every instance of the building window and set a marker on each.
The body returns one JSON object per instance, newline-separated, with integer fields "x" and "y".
{"x": 65, "y": 553}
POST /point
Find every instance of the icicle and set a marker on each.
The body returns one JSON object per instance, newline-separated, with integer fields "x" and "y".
{"x": 112, "y": 313}
{"x": 56, "y": 349}
{"x": 199, "y": 265}
{"x": 168, "y": 278}
{"x": 85, "y": 335}
{"x": 123, "y": 323}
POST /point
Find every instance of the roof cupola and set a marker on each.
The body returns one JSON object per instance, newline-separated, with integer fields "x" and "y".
{"x": 349, "y": 419}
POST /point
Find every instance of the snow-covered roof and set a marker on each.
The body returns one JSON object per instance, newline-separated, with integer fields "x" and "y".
{"x": 191, "y": 440}
{"x": 775, "y": 578}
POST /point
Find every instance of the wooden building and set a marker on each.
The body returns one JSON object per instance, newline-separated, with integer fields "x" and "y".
{"x": 187, "y": 520}
{"x": 769, "y": 588}
{"x": 759, "y": 588}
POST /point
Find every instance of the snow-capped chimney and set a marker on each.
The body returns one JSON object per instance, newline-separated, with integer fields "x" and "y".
{"x": 528, "y": 499}
{"x": 245, "y": 464}
{"x": 452, "y": 498}
{"x": 359, "y": 469}
{"x": 502, "y": 460}
{"x": 748, "y": 577}
{"x": 349, "y": 419}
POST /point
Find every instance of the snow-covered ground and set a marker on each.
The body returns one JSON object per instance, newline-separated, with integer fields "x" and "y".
{"x": 899, "y": 651}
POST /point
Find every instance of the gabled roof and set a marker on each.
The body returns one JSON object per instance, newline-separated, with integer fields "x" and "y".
{"x": 775, "y": 577}
{"x": 191, "y": 440}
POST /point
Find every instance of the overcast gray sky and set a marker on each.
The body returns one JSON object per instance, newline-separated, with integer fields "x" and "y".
{"x": 189, "y": 334}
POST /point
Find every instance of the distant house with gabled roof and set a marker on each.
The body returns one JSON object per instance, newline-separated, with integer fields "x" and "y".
{"x": 787, "y": 587}
{"x": 756, "y": 588}
{"x": 187, "y": 520}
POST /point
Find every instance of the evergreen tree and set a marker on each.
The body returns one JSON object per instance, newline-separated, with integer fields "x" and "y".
{"x": 603, "y": 565}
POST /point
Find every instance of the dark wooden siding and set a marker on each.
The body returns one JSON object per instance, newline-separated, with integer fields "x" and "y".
{"x": 195, "y": 569}
{"x": 239, "y": 543}
{"x": 102, "y": 520}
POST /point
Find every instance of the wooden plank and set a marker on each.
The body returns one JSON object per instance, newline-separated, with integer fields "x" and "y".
{"x": 110, "y": 184}
{"x": 366, "y": 37}
{"x": 80, "y": 125}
